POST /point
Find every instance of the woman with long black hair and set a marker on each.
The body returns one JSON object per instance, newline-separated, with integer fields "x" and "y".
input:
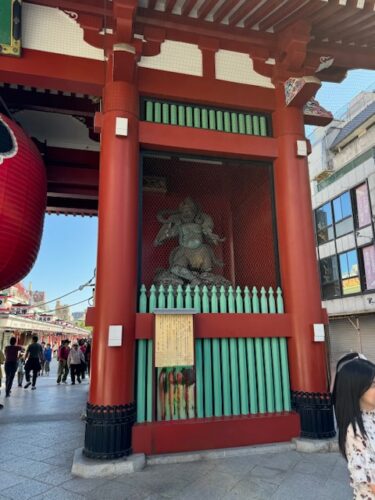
{"x": 354, "y": 401}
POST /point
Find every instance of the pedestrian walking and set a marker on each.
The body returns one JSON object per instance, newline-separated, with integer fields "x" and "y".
{"x": 2, "y": 360}
{"x": 43, "y": 360}
{"x": 82, "y": 347}
{"x": 20, "y": 369}
{"x": 62, "y": 359}
{"x": 33, "y": 358}
{"x": 11, "y": 364}
{"x": 88, "y": 356}
{"x": 47, "y": 358}
{"x": 75, "y": 359}
{"x": 354, "y": 401}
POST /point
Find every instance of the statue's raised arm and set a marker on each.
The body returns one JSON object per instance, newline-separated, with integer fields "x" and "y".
{"x": 207, "y": 227}
{"x": 169, "y": 229}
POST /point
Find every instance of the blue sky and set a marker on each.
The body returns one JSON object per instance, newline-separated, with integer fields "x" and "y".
{"x": 67, "y": 256}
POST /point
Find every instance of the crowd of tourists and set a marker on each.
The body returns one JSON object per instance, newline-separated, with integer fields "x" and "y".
{"x": 36, "y": 358}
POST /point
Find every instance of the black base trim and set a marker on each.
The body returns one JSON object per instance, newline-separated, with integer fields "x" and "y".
{"x": 316, "y": 413}
{"x": 108, "y": 431}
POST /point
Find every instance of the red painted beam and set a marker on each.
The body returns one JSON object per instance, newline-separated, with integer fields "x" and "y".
{"x": 225, "y": 325}
{"x": 153, "y": 83}
{"x": 54, "y": 71}
{"x": 214, "y": 433}
{"x": 206, "y": 142}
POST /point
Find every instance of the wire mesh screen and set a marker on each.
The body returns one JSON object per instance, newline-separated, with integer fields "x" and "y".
{"x": 236, "y": 200}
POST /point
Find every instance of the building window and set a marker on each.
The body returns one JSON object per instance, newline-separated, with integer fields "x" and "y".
{"x": 349, "y": 273}
{"x": 369, "y": 266}
{"x": 324, "y": 226}
{"x": 363, "y": 206}
{"x": 343, "y": 214}
{"x": 330, "y": 278}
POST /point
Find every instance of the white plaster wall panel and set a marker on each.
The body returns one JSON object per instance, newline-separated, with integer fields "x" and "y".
{"x": 335, "y": 306}
{"x": 178, "y": 57}
{"x": 238, "y": 68}
{"x": 327, "y": 249}
{"x": 364, "y": 236}
{"x": 62, "y": 131}
{"x": 51, "y": 30}
{"x": 345, "y": 243}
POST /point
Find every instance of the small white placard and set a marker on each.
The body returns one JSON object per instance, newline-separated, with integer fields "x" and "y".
{"x": 319, "y": 335}
{"x": 121, "y": 126}
{"x": 115, "y": 335}
{"x": 301, "y": 148}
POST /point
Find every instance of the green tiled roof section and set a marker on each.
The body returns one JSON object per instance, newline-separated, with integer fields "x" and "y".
{"x": 370, "y": 153}
{"x": 205, "y": 117}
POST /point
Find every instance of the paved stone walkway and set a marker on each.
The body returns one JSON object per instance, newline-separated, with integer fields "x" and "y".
{"x": 39, "y": 430}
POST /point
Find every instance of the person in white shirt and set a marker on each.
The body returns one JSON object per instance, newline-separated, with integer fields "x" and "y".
{"x": 75, "y": 358}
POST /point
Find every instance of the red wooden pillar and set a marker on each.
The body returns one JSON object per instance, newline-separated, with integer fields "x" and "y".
{"x": 111, "y": 408}
{"x": 298, "y": 263}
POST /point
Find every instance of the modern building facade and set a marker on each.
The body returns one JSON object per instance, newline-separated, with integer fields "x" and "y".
{"x": 342, "y": 170}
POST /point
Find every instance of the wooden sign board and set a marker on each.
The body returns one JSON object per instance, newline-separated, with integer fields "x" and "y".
{"x": 10, "y": 27}
{"x": 174, "y": 340}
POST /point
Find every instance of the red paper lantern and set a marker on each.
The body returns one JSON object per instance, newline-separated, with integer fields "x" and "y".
{"x": 23, "y": 195}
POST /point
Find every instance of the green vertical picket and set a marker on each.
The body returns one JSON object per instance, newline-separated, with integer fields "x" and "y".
{"x": 205, "y": 300}
{"x": 234, "y": 123}
{"x": 143, "y": 300}
{"x": 199, "y": 378}
{"x": 161, "y": 298}
{"x": 180, "y": 298}
{"x": 251, "y": 373}
{"x": 271, "y": 301}
{"x": 149, "y": 111}
{"x": 239, "y": 301}
{"x": 189, "y": 116}
{"x": 263, "y": 301}
{"x": 227, "y": 121}
{"x": 157, "y": 112}
{"x": 141, "y": 381}
{"x": 255, "y": 301}
{"x": 234, "y": 376}
{"x": 285, "y": 374}
{"x": 277, "y": 374}
{"x": 212, "y": 119}
{"x": 181, "y": 115}
{"x": 279, "y": 301}
{"x": 197, "y": 118}
{"x": 153, "y": 300}
{"x": 207, "y": 373}
{"x": 231, "y": 303}
{"x": 256, "y": 130}
{"x": 188, "y": 300}
{"x": 223, "y": 300}
{"x": 218, "y": 399}
{"x": 248, "y": 124}
{"x": 214, "y": 300}
{"x": 269, "y": 375}
{"x": 227, "y": 404}
{"x": 244, "y": 388}
{"x": 204, "y": 115}
{"x": 173, "y": 117}
{"x": 197, "y": 299}
{"x": 170, "y": 297}
{"x": 219, "y": 121}
{"x": 149, "y": 380}
{"x": 165, "y": 113}
{"x": 263, "y": 125}
{"x": 247, "y": 300}
{"x": 241, "y": 124}
{"x": 260, "y": 375}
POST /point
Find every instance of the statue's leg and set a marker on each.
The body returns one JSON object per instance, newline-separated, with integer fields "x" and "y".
{"x": 182, "y": 272}
{"x": 206, "y": 259}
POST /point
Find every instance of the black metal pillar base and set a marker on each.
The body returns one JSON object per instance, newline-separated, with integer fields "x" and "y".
{"x": 108, "y": 431}
{"x": 316, "y": 413}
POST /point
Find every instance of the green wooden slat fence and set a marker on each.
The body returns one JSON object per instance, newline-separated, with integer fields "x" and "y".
{"x": 233, "y": 377}
{"x": 224, "y": 300}
{"x": 191, "y": 115}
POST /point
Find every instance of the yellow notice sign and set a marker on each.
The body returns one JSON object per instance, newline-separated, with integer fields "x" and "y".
{"x": 174, "y": 340}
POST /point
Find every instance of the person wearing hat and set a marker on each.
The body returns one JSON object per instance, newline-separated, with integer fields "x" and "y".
{"x": 75, "y": 358}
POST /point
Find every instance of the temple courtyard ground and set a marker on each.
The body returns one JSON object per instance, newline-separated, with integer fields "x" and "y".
{"x": 39, "y": 431}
